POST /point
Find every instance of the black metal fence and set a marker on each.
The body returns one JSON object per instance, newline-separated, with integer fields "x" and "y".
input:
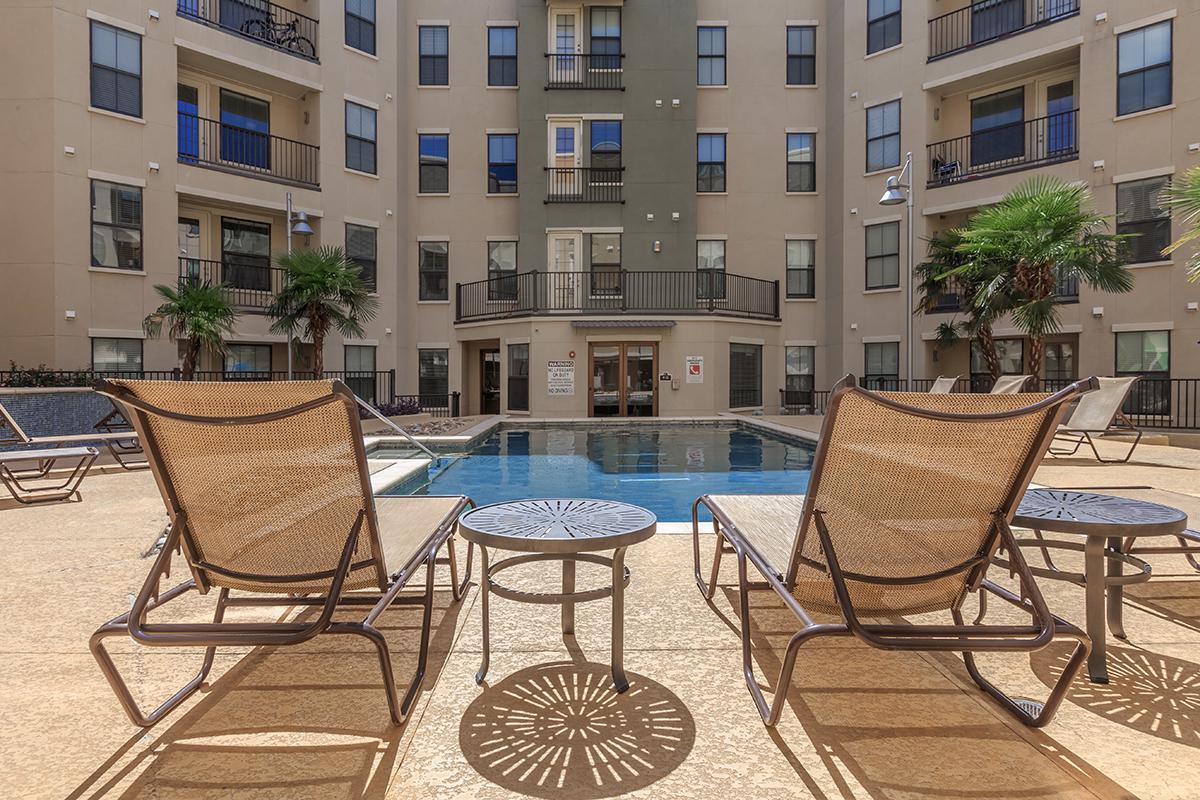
{"x": 1005, "y": 148}
{"x": 981, "y": 22}
{"x": 251, "y": 286}
{"x": 258, "y": 20}
{"x": 584, "y": 71}
{"x": 585, "y": 184}
{"x": 234, "y": 149}
{"x": 803, "y": 401}
{"x": 618, "y": 292}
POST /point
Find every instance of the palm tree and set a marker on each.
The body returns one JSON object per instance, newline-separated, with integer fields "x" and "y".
{"x": 1039, "y": 234}
{"x": 1183, "y": 197}
{"x": 321, "y": 291}
{"x": 198, "y": 313}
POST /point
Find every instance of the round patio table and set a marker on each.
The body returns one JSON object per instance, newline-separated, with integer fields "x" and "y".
{"x": 559, "y": 529}
{"x": 1109, "y": 526}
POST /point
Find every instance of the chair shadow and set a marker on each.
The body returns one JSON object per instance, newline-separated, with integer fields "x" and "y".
{"x": 1151, "y": 693}
{"x": 886, "y": 725}
{"x": 1175, "y": 601}
{"x": 309, "y": 721}
{"x": 562, "y": 730}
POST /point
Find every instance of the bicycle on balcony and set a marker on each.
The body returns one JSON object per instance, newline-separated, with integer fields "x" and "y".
{"x": 283, "y": 35}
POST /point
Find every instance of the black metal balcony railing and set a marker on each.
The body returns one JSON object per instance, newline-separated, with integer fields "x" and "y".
{"x": 250, "y": 286}
{"x": 1005, "y": 148}
{"x": 985, "y": 21}
{"x": 584, "y": 71}
{"x": 617, "y": 292}
{"x": 258, "y": 20}
{"x": 585, "y": 184}
{"x": 228, "y": 147}
{"x": 952, "y": 298}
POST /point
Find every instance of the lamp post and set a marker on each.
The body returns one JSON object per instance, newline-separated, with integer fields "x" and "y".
{"x": 898, "y": 191}
{"x": 297, "y": 223}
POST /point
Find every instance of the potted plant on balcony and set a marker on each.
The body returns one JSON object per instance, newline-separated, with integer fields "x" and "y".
{"x": 322, "y": 291}
{"x": 198, "y": 314}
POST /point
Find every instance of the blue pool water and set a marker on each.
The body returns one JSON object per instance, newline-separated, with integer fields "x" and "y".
{"x": 662, "y": 468}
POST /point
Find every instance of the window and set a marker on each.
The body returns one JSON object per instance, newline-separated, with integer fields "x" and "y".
{"x": 883, "y": 255}
{"x": 435, "y": 55}
{"x": 245, "y": 130}
{"x": 433, "y": 269}
{"x": 435, "y": 163}
{"x": 502, "y": 163}
{"x": 801, "y": 268}
{"x": 801, "y": 163}
{"x": 881, "y": 366}
{"x": 1139, "y": 212}
{"x": 710, "y": 269}
{"x": 502, "y": 270}
{"x": 360, "y": 137}
{"x": 361, "y": 249}
{"x": 360, "y": 25}
{"x": 433, "y": 379}
{"x": 799, "y": 370}
{"x": 116, "y": 225}
{"x": 253, "y": 360}
{"x": 710, "y": 162}
{"x": 883, "y": 136}
{"x": 518, "y": 377}
{"x": 246, "y": 254}
{"x": 997, "y": 127}
{"x": 1011, "y": 354}
{"x": 606, "y": 264}
{"x": 502, "y": 56}
{"x": 187, "y": 107}
{"x": 1148, "y": 354}
{"x": 801, "y": 55}
{"x": 883, "y": 24}
{"x": 1144, "y": 68}
{"x": 116, "y": 70}
{"x": 606, "y": 149}
{"x": 116, "y": 355}
{"x": 360, "y": 371}
{"x": 710, "y": 60}
{"x": 745, "y": 375}
{"x": 1059, "y": 361}
{"x": 606, "y": 38}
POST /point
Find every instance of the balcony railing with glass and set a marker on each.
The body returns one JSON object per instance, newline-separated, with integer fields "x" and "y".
{"x": 987, "y": 21}
{"x": 218, "y": 145}
{"x": 259, "y": 21}
{"x": 617, "y": 292}
{"x": 1004, "y": 148}
{"x": 584, "y": 71}
{"x": 248, "y": 286}
{"x": 585, "y": 184}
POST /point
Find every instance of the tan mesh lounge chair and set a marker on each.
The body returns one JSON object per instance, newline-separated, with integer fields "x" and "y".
{"x": 270, "y": 503}
{"x": 1096, "y": 414}
{"x": 1010, "y": 384}
{"x": 943, "y": 385}
{"x": 910, "y": 497}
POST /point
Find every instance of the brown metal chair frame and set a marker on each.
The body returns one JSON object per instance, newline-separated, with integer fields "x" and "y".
{"x": 1075, "y": 438}
{"x": 122, "y": 449}
{"x": 216, "y": 634}
{"x": 967, "y": 639}
{"x": 15, "y": 480}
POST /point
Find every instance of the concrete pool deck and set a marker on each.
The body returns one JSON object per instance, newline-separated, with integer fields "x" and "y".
{"x": 311, "y": 721}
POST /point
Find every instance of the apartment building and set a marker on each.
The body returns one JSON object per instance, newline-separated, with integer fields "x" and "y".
{"x": 587, "y": 209}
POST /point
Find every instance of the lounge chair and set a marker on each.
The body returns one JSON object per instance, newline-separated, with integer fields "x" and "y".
{"x": 1010, "y": 384}
{"x": 943, "y": 385}
{"x": 19, "y": 468}
{"x": 1096, "y": 414}
{"x": 113, "y": 431}
{"x": 910, "y": 497}
{"x": 269, "y": 497}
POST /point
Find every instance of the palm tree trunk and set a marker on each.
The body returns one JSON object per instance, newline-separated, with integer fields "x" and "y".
{"x": 987, "y": 346}
{"x": 1037, "y": 346}
{"x": 190, "y": 356}
{"x": 318, "y": 354}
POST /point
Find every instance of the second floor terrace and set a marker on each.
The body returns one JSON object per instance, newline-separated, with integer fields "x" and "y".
{"x": 617, "y": 292}
{"x": 993, "y": 149}
{"x": 585, "y": 71}
{"x": 251, "y": 284}
{"x": 953, "y": 298}
{"x": 259, "y": 21}
{"x": 247, "y": 150}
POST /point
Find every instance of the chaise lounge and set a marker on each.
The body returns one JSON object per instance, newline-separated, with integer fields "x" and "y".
{"x": 1097, "y": 414}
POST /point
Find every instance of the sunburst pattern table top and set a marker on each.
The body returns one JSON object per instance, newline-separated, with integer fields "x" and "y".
{"x": 1068, "y": 511}
{"x": 558, "y": 525}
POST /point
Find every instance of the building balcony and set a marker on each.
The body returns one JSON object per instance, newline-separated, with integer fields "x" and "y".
{"x": 250, "y": 287}
{"x": 952, "y": 300}
{"x": 1005, "y": 148}
{"x": 585, "y": 184}
{"x": 585, "y": 71}
{"x": 617, "y": 293}
{"x": 984, "y": 21}
{"x": 259, "y": 21}
{"x": 229, "y": 148}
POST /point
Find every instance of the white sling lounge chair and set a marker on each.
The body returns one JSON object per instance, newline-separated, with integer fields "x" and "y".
{"x": 943, "y": 385}
{"x": 1010, "y": 384}
{"x": 1096, "y": 414}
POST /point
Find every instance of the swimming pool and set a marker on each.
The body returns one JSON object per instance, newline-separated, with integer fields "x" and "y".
{"x": 661, "y": 467}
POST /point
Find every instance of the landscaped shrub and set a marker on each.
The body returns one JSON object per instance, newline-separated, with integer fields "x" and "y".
{"x": 403, "y": 407}
{"x": 28, "y": 377}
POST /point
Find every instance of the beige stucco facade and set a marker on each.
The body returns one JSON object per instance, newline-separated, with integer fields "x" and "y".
{"x": 55, "y": 143}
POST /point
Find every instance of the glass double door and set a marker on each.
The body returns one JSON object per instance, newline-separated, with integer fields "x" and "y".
{"x": 623, "y": 380}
